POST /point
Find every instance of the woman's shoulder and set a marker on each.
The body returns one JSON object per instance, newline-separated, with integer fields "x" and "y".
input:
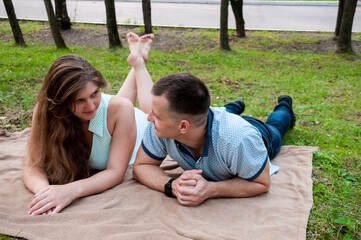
{"x": 120, "y": 110}
{"x": 119, "y": 103}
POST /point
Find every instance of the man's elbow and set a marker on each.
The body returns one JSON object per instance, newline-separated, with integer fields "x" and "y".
{"x": 266, "y": 187}
{"x": 135, "y": 175}
{"x": 134, "y": 172}
{"x": 264, "y": 182}
{"x": 262, "y": 187}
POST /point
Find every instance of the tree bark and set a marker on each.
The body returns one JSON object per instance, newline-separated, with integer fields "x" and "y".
{"x": 62, "y": 14}
{"x": 224, "y": 42}
{"x": 58, "y": 39}
{"x": 113, "y": 36}
{"x": 237, "y": 7}
{"x": 341, "y": 5}
{"x": 14, "y": 23}
{"x": 147, "y": 16}
{"x": 344, "y": 39}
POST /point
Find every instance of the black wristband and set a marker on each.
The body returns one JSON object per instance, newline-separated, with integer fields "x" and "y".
{"x": 168, "y": 188}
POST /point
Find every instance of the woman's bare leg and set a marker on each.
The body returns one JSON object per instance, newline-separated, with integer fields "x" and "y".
{"x": 143, "y": 79}
{"x": 129, "y": 88}
{"x": 138, "y": 82}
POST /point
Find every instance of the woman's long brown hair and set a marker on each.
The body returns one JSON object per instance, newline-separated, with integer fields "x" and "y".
{"x": 57, "y": 143}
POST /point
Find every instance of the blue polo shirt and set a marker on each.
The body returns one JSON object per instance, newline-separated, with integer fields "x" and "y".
{"x": 233, "y": 147}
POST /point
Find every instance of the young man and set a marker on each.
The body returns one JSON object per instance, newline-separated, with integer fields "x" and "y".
{"x": 223, "y": 154}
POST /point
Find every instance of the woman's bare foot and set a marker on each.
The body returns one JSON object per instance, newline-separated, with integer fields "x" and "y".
{"x": 135, "y": 49}
{"x": 146, "y": 43}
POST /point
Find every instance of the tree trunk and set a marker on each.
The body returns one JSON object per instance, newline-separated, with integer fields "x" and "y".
{"x": 14, "y": 23}
{"x": 62, "y": 14}
{"x": 341, "y": 5}
{"x": 147, "y": 16}
{"x": 344, "y": 39}
{"x": 237, "y": 7}
{"x": 224, "y": 42}
{"x": 114, "y": 40}
{"x": 58, "y": 39}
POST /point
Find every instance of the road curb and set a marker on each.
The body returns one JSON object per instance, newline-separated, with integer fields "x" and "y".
{"x": 247, "y": 2}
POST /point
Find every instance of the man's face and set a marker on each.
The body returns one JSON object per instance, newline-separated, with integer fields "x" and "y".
{"x": 165, "y": 127}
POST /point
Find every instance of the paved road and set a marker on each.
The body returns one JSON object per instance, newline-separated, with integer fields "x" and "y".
{"x": 258, "y": 15}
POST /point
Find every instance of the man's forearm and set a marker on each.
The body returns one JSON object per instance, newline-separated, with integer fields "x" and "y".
{"x": 150, "y": 175}
{"x": 193, "y": 195}
{"x": 237, "y": 187}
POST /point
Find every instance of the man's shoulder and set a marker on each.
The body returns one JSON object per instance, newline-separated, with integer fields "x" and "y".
{"x": 156, "y": 147}
{"x": 230, "y": 132}
{"x": 226, "y": 123}
{"x": 151, "y": 136}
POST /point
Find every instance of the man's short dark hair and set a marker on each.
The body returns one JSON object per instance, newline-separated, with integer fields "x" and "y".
{"x": 186, "y": 93}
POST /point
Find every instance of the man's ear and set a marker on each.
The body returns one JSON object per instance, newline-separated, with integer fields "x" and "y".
{"x": 184, "y": 126}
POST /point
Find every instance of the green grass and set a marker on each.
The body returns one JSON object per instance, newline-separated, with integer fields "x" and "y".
{"x": 325, "y": 88}
{"x": 6, "y": 237}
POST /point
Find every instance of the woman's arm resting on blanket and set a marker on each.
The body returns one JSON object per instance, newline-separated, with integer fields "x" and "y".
{"x": 56, "y": 197}
{"x": 34, "y": 179}
{"x": 235, "y": 187}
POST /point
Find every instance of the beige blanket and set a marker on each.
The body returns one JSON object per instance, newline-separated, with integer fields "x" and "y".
{"x": 133, "y": 211}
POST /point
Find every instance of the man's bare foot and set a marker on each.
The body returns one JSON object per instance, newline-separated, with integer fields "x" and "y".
{"x": 146, "y": 43}
{"x": 135, "y": 50}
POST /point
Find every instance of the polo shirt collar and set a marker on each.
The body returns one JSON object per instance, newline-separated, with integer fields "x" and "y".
{"x": 209, "y": 133}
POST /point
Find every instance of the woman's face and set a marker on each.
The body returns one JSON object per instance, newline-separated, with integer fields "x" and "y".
{"x": 87, "y": 101}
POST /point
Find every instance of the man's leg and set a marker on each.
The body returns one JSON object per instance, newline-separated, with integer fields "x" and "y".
{"x": 282, "y": 118}
{"x": 236, "y": 107}
{"x": 279, "y": 121}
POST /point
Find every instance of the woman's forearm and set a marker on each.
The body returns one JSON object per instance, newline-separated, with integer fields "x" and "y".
{"x": 97, "y": 183}
{"x": 34, "y": 179}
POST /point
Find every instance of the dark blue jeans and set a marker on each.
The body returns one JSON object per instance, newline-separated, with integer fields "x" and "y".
{"x": 274, "y": 129}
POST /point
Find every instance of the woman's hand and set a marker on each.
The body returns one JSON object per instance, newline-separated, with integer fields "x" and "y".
{"x": 52, "y": 199}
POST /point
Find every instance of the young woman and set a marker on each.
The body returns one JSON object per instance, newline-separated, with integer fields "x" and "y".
{"x": 77, "y": 129}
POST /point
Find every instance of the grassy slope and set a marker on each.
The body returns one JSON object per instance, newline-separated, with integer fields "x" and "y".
{"x": 325, "y": 87}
